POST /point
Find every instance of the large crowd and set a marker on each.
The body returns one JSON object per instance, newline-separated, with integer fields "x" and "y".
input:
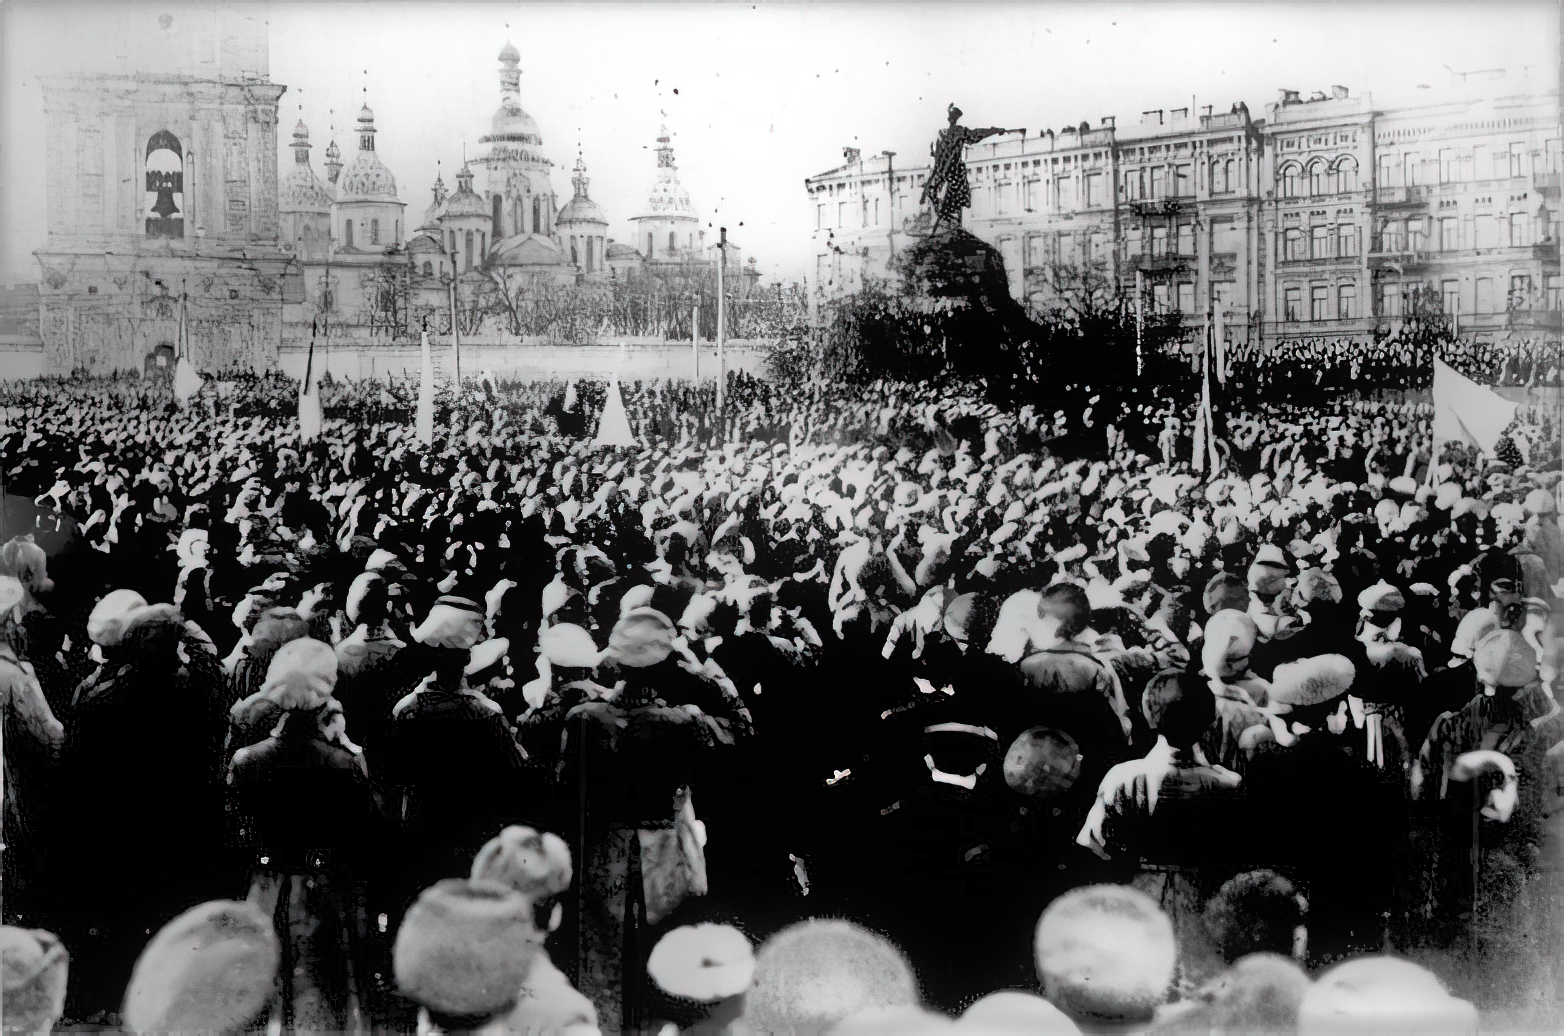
{"x": 514, "y": 731}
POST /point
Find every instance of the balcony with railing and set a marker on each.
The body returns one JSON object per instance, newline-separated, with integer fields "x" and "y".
{"x": 1153, "y": 207}
{"x": 1414, "y": 195}
{"x": 1161, "y": 262}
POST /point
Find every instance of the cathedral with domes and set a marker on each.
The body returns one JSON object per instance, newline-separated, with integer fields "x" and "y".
{"x": 367, "y": 261}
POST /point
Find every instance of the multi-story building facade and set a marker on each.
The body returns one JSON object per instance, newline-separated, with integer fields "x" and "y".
{"x": 861, "y": 208}
{"x": 1315, "y": 222}
{"x": 1465, "y": 205}
{"x": 1315, "y": 215}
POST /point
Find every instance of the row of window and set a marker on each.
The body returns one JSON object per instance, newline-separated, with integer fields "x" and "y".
{"x": 1321, "y": 177}
{"x": 1320, "y": 303}
{"x": 1457, "y": 165}
{"x": 1392, "y": 299}
{"x": 1323, "y": 242}
{"x": 1515, "y": 230}
{"x": 374, "y": 232}
{"x": 1521, "y": 295}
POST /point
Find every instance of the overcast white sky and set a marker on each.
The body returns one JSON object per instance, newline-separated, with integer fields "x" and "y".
{"x": 760, "y": 96}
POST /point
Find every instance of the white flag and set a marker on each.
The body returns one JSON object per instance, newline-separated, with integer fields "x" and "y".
{"x": 424, "y": 424}
{"x": 614, "y": 428}
{"x": 186, "y": 381}
{"x": 1467, "y": 411}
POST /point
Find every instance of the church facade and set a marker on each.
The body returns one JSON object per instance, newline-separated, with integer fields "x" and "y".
{"x": 162, "y": 204}
{"x": 166, "y": 210}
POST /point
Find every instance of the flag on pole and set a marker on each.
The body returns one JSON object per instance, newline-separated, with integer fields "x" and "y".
{"x": 309, "y": 398}
{"x": 1465, "y": 410}
{"x": 614, "y": 428}
{"x": 424, "y": 423}
{"x": 186, "y": 381}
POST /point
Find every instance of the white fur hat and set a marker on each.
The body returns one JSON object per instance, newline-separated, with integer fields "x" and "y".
{"x": 1312, "y": 681}
{"x": 1105, "y": 953}
{"x": 1382, "y": 994}
{"x": 106, "y": 624}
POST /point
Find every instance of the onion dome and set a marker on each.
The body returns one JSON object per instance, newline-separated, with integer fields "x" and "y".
{"x": 464, "y": 202}
{"x": 510, "y": 124}
{"x": 366, "y": 178}
{"x": 301, "y": 190}
{"x": 668, "y": 198}
{"x": 580, "y": 209}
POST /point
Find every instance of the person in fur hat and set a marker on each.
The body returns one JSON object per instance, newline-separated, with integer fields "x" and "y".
{"x": 302, "y": 802}
{"x": 1106, "y": 955}
{"x": 463, "y": 953}
{"x": 811, "y": 975}
{"x": 1302, "y": 771}
{"x": 538, "y": 866}
{"x": 450, "y": 753}
{"x": 1452, "y": 687}
{"x": 34, "y": 965}
{"x": 370, "y": 678}
{"x": 212, "y": 968}
{"x": 30, "y": 753}
{"x": 142, "y": 769}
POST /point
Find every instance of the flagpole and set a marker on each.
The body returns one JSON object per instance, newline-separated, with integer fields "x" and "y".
{"x": 722, "y": 312}
{"x": 695, "y": 338}
{"x": 456, "y": 344}
{"x": 1139, "y": 291}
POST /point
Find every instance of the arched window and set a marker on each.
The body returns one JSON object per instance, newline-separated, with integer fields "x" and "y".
{"x": 1290, "y": 181}
{"x": 1228, "y": 183}
{"x": 499, "y": 231}
{"x": 165, "y": 186}
{"x": 428, "y": 268}
{"x": 537, "y": 215}
{"x": 397, "y": 232}
{"x": 648, "y": 246}
{"x": 1347, "y": 175}
{"x": 347, "y": 233}
{"x": 483, "y": 245}
{"x": 1318, "y": 178}
{"x": 575, "y": 258}
{"x": 374, "y": 231}
{"x": 468, "y": 265}
{"x": 671, "y": 245}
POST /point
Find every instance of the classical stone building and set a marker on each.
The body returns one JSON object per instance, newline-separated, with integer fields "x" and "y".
{"x": 161, "y": 198}
{"x": 1466, "y": 204}
{"x": 1315, "y": 222}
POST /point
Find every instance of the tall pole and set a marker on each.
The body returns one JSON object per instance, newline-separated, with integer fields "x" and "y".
{"x": 890, "y": 183}
{"x": 722, "y": 314}
{"x": 695, "y": 337}
{"x": 456, "y": 342}
{"x": 1139, "y": 294}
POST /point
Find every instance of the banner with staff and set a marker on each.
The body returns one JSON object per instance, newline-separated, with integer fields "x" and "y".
{"x": 309, "y": 397}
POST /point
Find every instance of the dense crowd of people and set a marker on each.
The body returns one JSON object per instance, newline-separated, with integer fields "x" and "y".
{"x": 1326, "y": 368}
{"x": 396, "y": 726}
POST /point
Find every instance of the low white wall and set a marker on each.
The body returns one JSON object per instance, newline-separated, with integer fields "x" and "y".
{"x": 531, "y": 362}
{"x": 21, "y": 360}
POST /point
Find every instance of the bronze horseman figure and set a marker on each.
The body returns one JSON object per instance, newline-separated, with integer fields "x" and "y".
{"x": 947, "y": 188}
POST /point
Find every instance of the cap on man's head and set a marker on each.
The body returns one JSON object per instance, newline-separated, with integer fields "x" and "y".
{"x": 34, "y": 965}
{"x": 1225, "y": 591}
{"x": 212, "y": 968}
{"x": 465, "y": 947}
{"x": 1105, "y": 954}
